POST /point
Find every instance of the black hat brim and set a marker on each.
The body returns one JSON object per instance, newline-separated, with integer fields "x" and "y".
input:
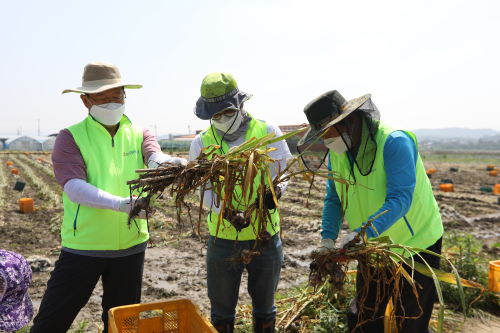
{"x": 347, "y": 108}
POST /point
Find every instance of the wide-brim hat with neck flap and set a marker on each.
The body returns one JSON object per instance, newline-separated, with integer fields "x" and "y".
{"x": 327, "y": 110}
{"x": 219, "y": 92}
{"x": 100, "y": 76}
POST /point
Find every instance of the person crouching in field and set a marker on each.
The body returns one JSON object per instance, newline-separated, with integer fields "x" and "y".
{"x": 221, "y": 102}
{"x": 383, "y": 160}
{"x": 93, "y": 160}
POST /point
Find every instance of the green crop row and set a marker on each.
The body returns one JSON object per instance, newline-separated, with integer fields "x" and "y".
{"x": 3, "y": 183}
{"x": 42, "y": 167}
{"x": 43, "y": 190}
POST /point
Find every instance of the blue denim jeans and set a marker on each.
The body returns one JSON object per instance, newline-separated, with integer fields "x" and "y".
{"x": 224, "y": 278}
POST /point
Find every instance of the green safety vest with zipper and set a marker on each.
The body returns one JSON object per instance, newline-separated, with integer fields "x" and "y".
{"x": 110, "y": 163}
{"x": 420, "y": 227}
{"x": 258, "y": 129}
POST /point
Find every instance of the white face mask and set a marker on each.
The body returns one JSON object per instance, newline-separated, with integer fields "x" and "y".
{"x": 108, "y": 114}
{"x": 228, "y": 124}
{"x": 337, "y": 144}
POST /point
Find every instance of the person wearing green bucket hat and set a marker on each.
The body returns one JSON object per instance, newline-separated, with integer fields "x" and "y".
{"x": 387, "y": 174}
{"x": 222, "y": 102}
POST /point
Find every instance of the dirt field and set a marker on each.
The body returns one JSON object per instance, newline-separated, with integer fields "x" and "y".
{"x": 175, "y": 266}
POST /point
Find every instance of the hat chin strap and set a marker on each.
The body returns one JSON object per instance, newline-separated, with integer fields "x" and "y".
{"x": 215, "y": 138}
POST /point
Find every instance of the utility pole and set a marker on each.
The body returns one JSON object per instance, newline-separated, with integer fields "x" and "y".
{"x": 38, "y": 126}
{"x": 189, "y": 129}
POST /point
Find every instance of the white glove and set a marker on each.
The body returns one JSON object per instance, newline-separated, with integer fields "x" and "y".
{"x": 326, "y": 245}
{"x": 179, "y": 161}
{"x": 159, "y": 158}
{"x": 349, "y": 238}
{"x": 126, "y": 206}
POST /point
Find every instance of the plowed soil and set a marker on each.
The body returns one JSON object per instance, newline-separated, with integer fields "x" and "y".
{"x": 175, "y": 266}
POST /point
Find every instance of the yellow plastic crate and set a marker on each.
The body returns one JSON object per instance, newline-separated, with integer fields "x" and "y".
{"x": 494, "y": 276}
{"x": 179, "y": 316}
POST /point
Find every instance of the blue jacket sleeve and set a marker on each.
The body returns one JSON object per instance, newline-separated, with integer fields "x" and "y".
{"x": 400, "y": 160}
{"x": 332, "y": 218}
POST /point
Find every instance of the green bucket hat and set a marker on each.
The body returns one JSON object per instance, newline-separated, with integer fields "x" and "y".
{"x": 327, "y": 110}
{"x": 219, "y": 91}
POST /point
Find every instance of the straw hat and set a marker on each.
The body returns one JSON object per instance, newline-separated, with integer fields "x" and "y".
{"x": 100, "y": 76}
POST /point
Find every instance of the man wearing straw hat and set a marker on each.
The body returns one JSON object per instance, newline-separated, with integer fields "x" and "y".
{"x": 382, "y": 162}
{"x": 221, "y": 102}
{"x": 93, "y": 160}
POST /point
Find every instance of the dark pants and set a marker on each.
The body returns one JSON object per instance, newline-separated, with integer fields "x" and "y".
{"x": 224, "y": 278}
{"x": 74, "y": 278}
{"x": 426, "y": 296}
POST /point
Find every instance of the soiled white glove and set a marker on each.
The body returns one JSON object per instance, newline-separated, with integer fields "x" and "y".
{"x": 349, "y": 238}
{"x": 126, "y": 206}
{"x": 179, "y": 161}
{"x": 326, "y": 245}
{"x": 159, "y": 158}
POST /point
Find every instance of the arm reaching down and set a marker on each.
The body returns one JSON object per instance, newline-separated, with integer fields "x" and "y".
{"x": 332, "y": 216}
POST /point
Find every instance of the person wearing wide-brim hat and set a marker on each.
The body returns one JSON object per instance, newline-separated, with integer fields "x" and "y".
{"x": 222, "y": 102}
{"x": 16, "y": 308}
{"x": 93, "y": 160}
{"x": 382, "y": 162}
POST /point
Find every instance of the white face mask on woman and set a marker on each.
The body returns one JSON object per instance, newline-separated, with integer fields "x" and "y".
{"x": 229, "y": 125}
{"x": 337, "y": 144}
{"x": 108, "y": 114}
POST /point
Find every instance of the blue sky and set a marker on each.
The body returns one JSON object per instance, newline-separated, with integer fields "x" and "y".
{"x": 427, "y": 64}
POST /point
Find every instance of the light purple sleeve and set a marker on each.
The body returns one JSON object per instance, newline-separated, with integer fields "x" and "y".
{"x": 67, "y": 159}
{"x": 149, "y": 146}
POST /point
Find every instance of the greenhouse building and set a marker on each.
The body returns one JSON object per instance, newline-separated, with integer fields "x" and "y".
{"x": 48, "y": 144}
{"x": 29, "y": 143}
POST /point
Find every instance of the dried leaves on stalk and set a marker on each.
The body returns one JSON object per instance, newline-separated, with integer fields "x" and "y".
{"x": 379, "y": 262}
{"x": 238, "y": 177}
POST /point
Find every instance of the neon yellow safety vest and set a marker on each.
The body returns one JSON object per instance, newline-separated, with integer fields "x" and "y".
{"x": 258, "y": 129}
{"x": 110, "y": 163}
{"x": 420, "y": 227}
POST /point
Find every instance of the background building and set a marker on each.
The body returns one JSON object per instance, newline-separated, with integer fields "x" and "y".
{"x": 28, "y": 143}
{"x": 292, "y": 142}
